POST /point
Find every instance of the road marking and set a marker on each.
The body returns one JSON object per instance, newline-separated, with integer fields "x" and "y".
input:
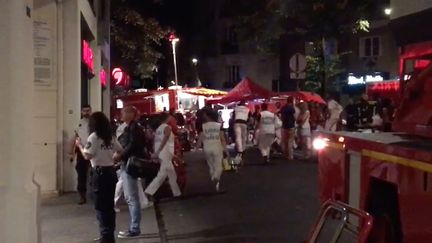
{"x": 398, "y": 160}
{"x": 161, "y": 223}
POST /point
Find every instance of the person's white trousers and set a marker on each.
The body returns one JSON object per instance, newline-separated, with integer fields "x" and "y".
{"x": 166, "y": 170}
{"x": 331, "y": 125}
{"x": 119, "y": 192}
{"x": 241, "y": 135}
{"x": 214, "y": 158}
{"x": 264, "y": 143}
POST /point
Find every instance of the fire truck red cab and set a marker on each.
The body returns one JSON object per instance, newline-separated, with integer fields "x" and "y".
{"x": 388, "y": 175}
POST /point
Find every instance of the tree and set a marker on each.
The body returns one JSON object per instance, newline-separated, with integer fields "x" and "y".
{"x": 314, "y": 20}
{"x": 316, "y": 66}
{"x": 136, "y": 40}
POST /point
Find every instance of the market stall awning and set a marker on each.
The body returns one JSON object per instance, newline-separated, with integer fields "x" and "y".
{"x": 204, "y": 91}
{"x": 302, "y": 95}
{"x": 246, "y": 90}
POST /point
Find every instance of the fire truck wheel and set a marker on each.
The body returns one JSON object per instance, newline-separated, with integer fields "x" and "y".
{"x": 383, "y": 230}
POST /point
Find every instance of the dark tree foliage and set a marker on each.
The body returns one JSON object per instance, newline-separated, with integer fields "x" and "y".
{"x": 136, "y": 39}
{"x": 262, "y": 22}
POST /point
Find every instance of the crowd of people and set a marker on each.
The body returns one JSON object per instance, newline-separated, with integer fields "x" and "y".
{"x": 112, "y": 154}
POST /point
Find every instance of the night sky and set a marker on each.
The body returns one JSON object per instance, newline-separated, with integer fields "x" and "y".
{"x": 181, "y": 16}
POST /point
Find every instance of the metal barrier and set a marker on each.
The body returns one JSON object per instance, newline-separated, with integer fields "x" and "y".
{"x": 338, "y": 221}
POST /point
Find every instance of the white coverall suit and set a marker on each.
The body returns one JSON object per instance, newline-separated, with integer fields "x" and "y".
{"x": 166, "y": 168}
{"x": 240, "y": 127}
{"x": 213, "y": 148}
{"x": 267, "y": 132}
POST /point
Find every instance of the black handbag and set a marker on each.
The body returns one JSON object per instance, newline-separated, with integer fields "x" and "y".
{"x": 142, "y": 168}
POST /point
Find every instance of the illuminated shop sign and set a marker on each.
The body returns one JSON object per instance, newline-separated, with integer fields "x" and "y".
{"x": 87, "y": 55}
{"x": 362, "y": 79}
{"x": 103, "y": 77}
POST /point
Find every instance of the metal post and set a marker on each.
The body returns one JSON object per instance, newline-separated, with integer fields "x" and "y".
{"x": 175, "y": 62}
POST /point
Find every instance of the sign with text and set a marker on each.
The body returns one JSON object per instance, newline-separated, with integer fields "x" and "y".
{"x": 297, "y": 65}
{"x": 43, "y": 52}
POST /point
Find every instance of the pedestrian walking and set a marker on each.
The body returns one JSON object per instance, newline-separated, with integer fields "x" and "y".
{"x": 144, "y": 202}
{"x": 213, "y": 140}
{"x": 334, "y": 112}
{"x": 82, "y": 165}
{"x": 164, "y": 150}
{"x": 241, "y": 113}
{"x": 100, "y": 149}
{"x": 133, "y": 141}
{"x": 304, "y": 129}
{"x": 267, "y": 131}
{"x": 288, "y": 128}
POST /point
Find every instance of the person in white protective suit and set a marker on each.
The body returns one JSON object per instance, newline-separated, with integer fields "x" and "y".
{"x": 267, "y": 132}
{"x": 212, "y": 138}
{"x": 164, "y": 150}
{"x": 241, "y": 113}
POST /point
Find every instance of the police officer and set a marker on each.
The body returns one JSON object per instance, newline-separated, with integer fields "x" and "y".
{"x": 82, "y": 165}
{"x": 100, "y": 149}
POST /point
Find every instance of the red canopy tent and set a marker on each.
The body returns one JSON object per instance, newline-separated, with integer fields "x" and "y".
{"x": 303, "y": 95}
{"x": 246, "y": 90}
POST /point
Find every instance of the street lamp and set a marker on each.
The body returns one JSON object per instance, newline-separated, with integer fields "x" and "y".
{"x": 387, "y": 11}
{"x": 195, "y": 63}
{"x": 174, "y": 39}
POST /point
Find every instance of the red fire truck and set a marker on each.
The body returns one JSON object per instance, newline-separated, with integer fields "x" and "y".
{"x": 150, "y": 102}
{"x": 388, "y": 174}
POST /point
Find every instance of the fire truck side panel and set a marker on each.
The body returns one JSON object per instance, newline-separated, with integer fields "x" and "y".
{"x": 332, "y": 174}
{"x": 407, "y": 169}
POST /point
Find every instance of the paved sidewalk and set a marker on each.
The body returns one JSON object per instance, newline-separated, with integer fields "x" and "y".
{"x": 63, "y": 221}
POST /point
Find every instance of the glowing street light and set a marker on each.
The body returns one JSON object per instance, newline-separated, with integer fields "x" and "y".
{"x": 195, "y": 63}
{"x": 174, "y": 40}
{"x": 387, "y": 11}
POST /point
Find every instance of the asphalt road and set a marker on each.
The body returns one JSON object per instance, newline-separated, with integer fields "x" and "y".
{"x": 260, "y": 203}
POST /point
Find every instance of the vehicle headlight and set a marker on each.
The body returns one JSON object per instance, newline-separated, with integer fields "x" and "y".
{"x": 319, "y": 143}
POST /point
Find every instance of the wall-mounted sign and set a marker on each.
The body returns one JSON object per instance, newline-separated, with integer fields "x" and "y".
{"x": 118, "y": 76}
{"x": 298, "y": 64}
{"x": 103, "y": 77}
{"x": 43, "y": 51}
{"x": 362, "y": 79}
{"x": 87, "y": 55}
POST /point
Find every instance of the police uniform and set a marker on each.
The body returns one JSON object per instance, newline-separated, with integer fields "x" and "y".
{"x": 166, "y": 168}
{"x": 240, "y": 127}
{"x": 267, "y": 132}
{"x": 104, "y": 181}
{"x": 82, "y": 165}
{"x": 213, "y": 148}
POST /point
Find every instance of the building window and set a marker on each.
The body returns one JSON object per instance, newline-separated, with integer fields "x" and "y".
{"x": 233, "y": 74}
{"x": 231, "y": 35}
{"x": 370, "y": 46}
{"x": 230, "y": 42}
{"x": 275, "y": 85}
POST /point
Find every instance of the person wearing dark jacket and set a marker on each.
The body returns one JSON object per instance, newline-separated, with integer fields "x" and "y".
{"x": 351, "y": 116}
{"x": 133, "y": 141}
